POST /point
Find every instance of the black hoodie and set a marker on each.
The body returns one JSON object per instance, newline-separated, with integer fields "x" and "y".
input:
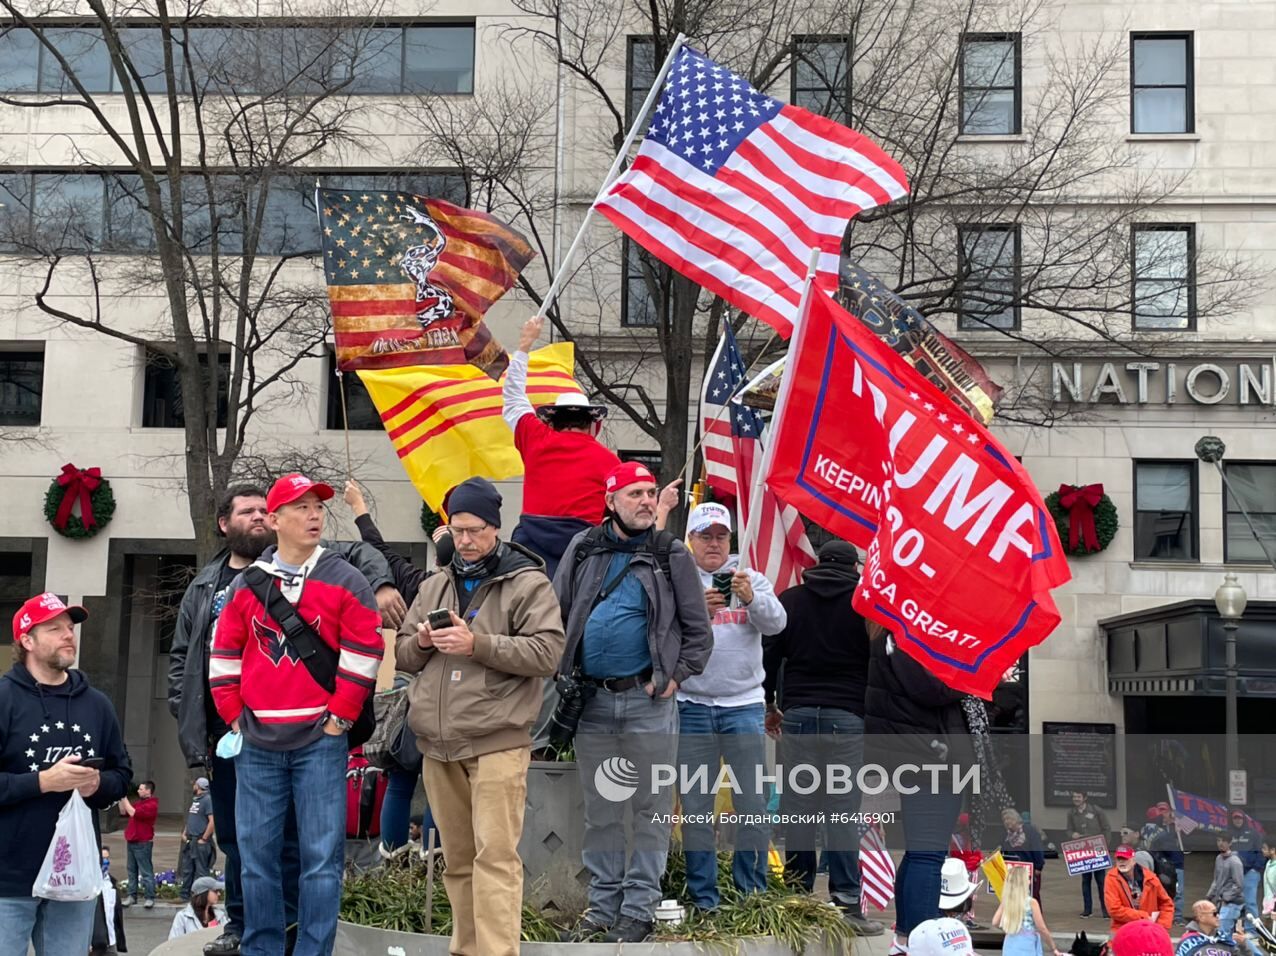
{"x": 39, "y": 725}
{"x": 823, "y": 648}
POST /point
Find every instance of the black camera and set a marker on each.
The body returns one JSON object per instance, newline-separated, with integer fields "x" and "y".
{"x": 573, "y": 694}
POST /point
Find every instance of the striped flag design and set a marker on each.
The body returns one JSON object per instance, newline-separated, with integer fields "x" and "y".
{"x": 732, "y": 447}
{"x": 877, "y": 869}
{"x": 445, "y": 421}
{"x": 733, "y": 189}
{"x": 410, "y": 279}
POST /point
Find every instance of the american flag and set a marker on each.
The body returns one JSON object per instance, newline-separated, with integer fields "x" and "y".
{"x": 734, "y": 188}
{"x": 877, "y": 869}
{"x": 732, "y": 446}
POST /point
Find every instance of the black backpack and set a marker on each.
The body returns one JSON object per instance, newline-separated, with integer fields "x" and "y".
{"x": 595, "y": 542}
{"x": 1167, "y": 874}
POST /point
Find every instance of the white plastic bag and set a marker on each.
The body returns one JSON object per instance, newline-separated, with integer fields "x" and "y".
{"x": 72, "y": 868}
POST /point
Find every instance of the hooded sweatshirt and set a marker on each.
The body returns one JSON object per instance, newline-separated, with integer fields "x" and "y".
{"x": 734, "y": 673}
{"x": 823, "y": 648}
{"x": 39, "y": 725}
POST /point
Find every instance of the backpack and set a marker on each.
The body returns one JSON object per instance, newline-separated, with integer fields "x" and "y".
{"x": 595, "y": 542}
{"x": 365, "y": 792}
{"x": 391, "y": 710}
{"x": 1167, "y": 874}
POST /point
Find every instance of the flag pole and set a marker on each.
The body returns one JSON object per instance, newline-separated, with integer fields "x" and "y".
{"x": 786, "y": 380}
{"x": 639, "y": 119}
{"x": 1169, "y": 792}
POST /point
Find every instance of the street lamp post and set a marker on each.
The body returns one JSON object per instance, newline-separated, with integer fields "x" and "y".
{"x": 1230, "y": 600}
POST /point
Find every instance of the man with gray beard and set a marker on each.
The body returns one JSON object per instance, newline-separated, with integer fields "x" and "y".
{"x": 637, "y": 627}
{"x": 241, "y": 520}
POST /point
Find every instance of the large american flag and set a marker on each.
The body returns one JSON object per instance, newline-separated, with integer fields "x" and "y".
{"x": 877, "y": 868}
{"x": 733, "y": 189}
{"x": 732, "y": 447}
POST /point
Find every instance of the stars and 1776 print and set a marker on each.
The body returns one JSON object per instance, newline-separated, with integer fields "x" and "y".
{"x": 52, "y": 755}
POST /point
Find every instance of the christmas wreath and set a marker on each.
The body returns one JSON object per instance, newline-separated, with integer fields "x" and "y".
{"x": 83, "y": 486}
{"x": 430, "y": 520}
{"x": 1085, "y": 517}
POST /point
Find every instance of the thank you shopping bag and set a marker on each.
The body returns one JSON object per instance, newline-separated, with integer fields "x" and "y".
{"x": 72, "y": 868}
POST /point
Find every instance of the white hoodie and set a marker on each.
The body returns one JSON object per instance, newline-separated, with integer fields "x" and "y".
{"x": 733, "y": 675}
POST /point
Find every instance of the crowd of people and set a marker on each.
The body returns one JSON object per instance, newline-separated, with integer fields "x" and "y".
{"x": 662, "y": 650}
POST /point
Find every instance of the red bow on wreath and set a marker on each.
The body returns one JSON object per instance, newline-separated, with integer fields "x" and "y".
{"x": 77, "y": 483}
{"x": 1081, "y": 503}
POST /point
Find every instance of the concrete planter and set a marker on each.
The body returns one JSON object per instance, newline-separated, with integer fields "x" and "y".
{"x": 363, "y": 941}
{"x": 554, "y": 879}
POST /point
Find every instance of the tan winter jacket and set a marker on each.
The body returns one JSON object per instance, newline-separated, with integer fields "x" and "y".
{"x": 461, "y": 707}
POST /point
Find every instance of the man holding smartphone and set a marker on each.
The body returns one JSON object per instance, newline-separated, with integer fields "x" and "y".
{"x": 481, "y": 634}
{"x": 57, "y": 734}
{"x": 721, "y": 711}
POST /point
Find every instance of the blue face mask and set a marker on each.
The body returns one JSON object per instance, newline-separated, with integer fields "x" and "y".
{"x": 230, "y": 745}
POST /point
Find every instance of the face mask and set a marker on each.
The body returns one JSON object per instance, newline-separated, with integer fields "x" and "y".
{"x": 230, "y": 745}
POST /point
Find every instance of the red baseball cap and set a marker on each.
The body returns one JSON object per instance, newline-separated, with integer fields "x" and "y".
{"x": 626, "y": 474}
{"x": 1123, "y": 852}
{"x": 41, "y": 608}
{"x": 291, "y": 487}
{"x": 1142, "y": 938}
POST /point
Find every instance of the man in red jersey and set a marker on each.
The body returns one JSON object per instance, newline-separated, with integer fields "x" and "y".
{"x": 294, "y": 746}
{"x": 564, "y": 463}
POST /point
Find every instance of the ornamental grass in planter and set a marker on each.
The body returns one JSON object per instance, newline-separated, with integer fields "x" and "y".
{"x": 393, "y": 898}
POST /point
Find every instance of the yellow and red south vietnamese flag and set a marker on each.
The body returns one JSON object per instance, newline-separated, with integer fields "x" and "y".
{"x": 445, "y": 420}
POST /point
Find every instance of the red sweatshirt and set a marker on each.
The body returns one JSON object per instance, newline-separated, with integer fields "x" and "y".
{"x": 257, "y": 677}
{"x": 563, "y": 471}
{"x": 141, "y": 825}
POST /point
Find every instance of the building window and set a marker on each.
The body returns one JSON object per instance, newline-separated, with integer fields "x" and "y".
{"x": 21, "y": 386}
{"x": 640, "y": 74}
{"x": 988, "y": 277}
{"x": 1161, "y": 95}
{"x": 1164, "y": 273}
{"x": 652, "y": 459}
{"x": 1165, "y": 518}
{"x": 990, "y": 84}
{"x": 257, "y": 56}
{"x": 1252, "y": 486}
{"x": 162, "y": 390}
{"x": 637, "y": 306}
{"x": 820, "y": 78}
{"x": 360, "y": 411}
{"x": 107, "y": 212}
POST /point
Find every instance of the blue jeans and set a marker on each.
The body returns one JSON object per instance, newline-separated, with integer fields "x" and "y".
{"x": 928, "y": 820}
{"x": 141, "y": 869}
{"x": 53, "y": 928}
{"x": 222, "y": 787}
{"x": 1178, "y": 893}
{"x": 1250, "y": 887}
{"x": 632, "y": 731}
{"x": 1087, "y": 905}
{"x": 396, "y": 811}
{"x": 311, "y": 781}
{"x": 840, "y": 740}
{"x": 737, "y": 737}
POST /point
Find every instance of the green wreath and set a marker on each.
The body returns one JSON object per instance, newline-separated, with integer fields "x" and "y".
{"x": 101, "y": 499}
{"x": 1106, "y": 523}
{"x": 430, "y": 520}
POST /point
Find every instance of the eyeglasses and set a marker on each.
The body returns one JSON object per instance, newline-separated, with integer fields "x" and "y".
{"x": 458, "y": 532}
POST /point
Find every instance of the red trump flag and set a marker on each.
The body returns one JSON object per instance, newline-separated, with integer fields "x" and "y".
{"x": 961, "y": 551}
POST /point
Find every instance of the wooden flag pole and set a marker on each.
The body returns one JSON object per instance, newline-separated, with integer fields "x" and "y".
{"x": 768, "y": 451}
{"x": 345, "y": 422}
{"x": 639, "y": 119}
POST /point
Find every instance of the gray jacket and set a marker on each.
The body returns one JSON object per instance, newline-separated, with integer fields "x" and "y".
{"x": 188, "y": 658}
{"x": 678, "y": 633}
{"x": 1229, "y": 880}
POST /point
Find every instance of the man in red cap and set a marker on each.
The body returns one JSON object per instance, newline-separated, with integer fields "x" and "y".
{"x": 57, "y": 734}
{"x": 1132, "y": 893}
{"x": 564, "y": 463}
{"x": 637, "y": 627}
{"x": 288, "y": 718}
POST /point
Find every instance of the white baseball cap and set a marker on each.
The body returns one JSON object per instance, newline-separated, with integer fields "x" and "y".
{"x": 940, "y": 937}
{"x": 705, "y": 516}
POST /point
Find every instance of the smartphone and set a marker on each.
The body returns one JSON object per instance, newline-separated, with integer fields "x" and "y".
{"x": 97, "y": 763}
{"x": 722, "y": 581}
{"x": 439, "y": 619}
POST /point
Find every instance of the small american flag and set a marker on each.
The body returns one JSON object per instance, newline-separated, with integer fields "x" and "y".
{"x": 877, "y": 869}
{"x": 734, "y": 188}
{"x": 732, "y": 434}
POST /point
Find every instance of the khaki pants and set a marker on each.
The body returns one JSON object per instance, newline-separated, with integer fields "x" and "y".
{"x": 478, "y": 806}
